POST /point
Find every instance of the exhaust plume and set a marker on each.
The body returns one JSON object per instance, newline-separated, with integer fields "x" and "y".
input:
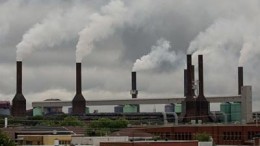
{"x": 57, "y": 27}
{"x": 101, "y": 26}
{"x": 228, "y": 37}
{"x": 159, "y": 54}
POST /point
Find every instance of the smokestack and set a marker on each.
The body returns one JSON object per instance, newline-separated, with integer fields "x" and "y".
{"x": 134, "y": 92}
{"x": 189, "y": 76}
{"x": 19, "y": 77}
{"x": 201, "y": 81}
{"x": 19, "y": 102}
{"x": 240, "y": 79}
{"x": 185, "y": 82}
{"x": 201, "y": 102}
{"x": 78, "y": 78}
{"x": 193, "y": 79}
{"x": 78, "y": 102}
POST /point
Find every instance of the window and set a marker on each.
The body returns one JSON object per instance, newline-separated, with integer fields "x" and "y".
{"x": 224, "y": 136}
{"x": 28, "y": 142}
{"x": 64, "y": 142}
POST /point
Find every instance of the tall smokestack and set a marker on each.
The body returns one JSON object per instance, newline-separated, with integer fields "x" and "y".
{"x": 189, "y": 111}
{"x": 78, "y": 78}
{"x": 193, "y": 79}
{"x": 201, "y": 81}
{"x": 19, "y": 78}
{"x": 134, "y": 92}
{"x": 201, "y": 102}
{"x": 240, "y": 79}
{"x": 185, "y": 82}
{"x": 189, "y": 76}
{"x": 19, "y": 102}
{"x": 78, "y": 102}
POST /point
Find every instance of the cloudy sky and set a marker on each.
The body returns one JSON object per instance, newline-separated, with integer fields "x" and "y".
{"x": 112, "y": 38}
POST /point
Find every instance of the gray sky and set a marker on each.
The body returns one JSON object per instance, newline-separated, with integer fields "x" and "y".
{"x": 111, "y": 36}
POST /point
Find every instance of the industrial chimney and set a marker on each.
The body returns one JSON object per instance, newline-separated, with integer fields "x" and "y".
{"x": 134, "y": 92}
{"x": 193, "y": 80}
{"x": 18, "y": 102}
{"x": 189, "y": 104}
{"x": 201, "y": 102}
{"x": 201, "y": 80}
{"x": 189, "y": 77}
{"x": 240, "y": 79}
{"x": 78, "y": 102}
{"x": 185, "y": 82}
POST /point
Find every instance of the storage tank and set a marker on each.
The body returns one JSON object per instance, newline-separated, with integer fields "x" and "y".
{"x": 236, "y": 112}
{"x": 118, "y": 109}
{"x": 130, "y": 108}
{"x": 178, "y": 108}
{"x": 5, "y": 108}
{"x": 87, "y": 110}
{"x": 70, "y": 110}
{"x": 37, "y": 111}
{"x": 5, "y": 111}
{"x": 226, "y": 108}
{"x": 169, "y": 108}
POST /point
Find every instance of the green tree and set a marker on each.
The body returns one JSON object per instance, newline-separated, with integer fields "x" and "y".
{"x": 5, "y": 140}
{"x": 202, "y": 136}
{"x": 104, "y": 126}
{"x": 71, "y": 121}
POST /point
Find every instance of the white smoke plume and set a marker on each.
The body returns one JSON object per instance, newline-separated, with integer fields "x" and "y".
{"x": 102, "y": 25}
{"x": 230, "y": 37}
{"x": 4, "y": 28}
{"x": 159, "y": 54}
{"x": 57, "y": 27}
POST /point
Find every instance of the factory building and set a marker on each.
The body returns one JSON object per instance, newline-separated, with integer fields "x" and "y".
{"x": 194, "y": 107}
{"x": 5, "y": 108}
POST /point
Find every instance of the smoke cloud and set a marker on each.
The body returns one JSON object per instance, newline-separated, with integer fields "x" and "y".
{"x": 101, "y": 26}
{"x": 59, "y": 26}
{"x": 159, "y": 54}
{"x": 230, "y": 37}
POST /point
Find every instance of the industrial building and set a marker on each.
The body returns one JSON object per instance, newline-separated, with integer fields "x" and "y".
{"x": 5, "y": 108}
{"x": 222, "y": 134}
{"x": 190, "y": 108}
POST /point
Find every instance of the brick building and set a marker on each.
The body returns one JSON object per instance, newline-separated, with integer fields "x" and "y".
{"x": 221, "y": 134}
{"x": 151, "y": 143}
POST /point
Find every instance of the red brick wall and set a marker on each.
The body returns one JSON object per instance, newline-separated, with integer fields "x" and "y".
{"x": 221, "y": 134}
{"x": 184, "y": 143}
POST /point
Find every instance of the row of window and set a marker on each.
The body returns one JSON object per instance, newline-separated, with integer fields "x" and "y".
{"x": 232, "y": 136}
{"x": 175, "y": 136}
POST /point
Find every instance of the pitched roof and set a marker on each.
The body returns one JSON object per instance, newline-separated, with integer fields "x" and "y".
{"x": 44, "y": 130}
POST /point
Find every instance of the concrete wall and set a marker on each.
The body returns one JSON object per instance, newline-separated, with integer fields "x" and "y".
{"x": 96, "y": 140}
{"x": 151, "y": 143}
{"x": 49, "y": 139}
{"x": 43, "y": 139}
{"x": 206, "y": 143}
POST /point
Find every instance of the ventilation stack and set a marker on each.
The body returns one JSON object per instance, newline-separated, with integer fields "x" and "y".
{"x": 189, "y": 104}
{"x": 193, "y": 80}
{"x": 18, "y": 102}
{"x": 185, "y": 82}
{"x": 134, "y": 92}
{"x": 201, "y": 102}
{"x": 78, "y": 102}
{"x": 240, "y": 79}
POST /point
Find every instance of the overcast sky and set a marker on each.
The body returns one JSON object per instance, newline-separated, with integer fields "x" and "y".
{"x": 112, "y": 38}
